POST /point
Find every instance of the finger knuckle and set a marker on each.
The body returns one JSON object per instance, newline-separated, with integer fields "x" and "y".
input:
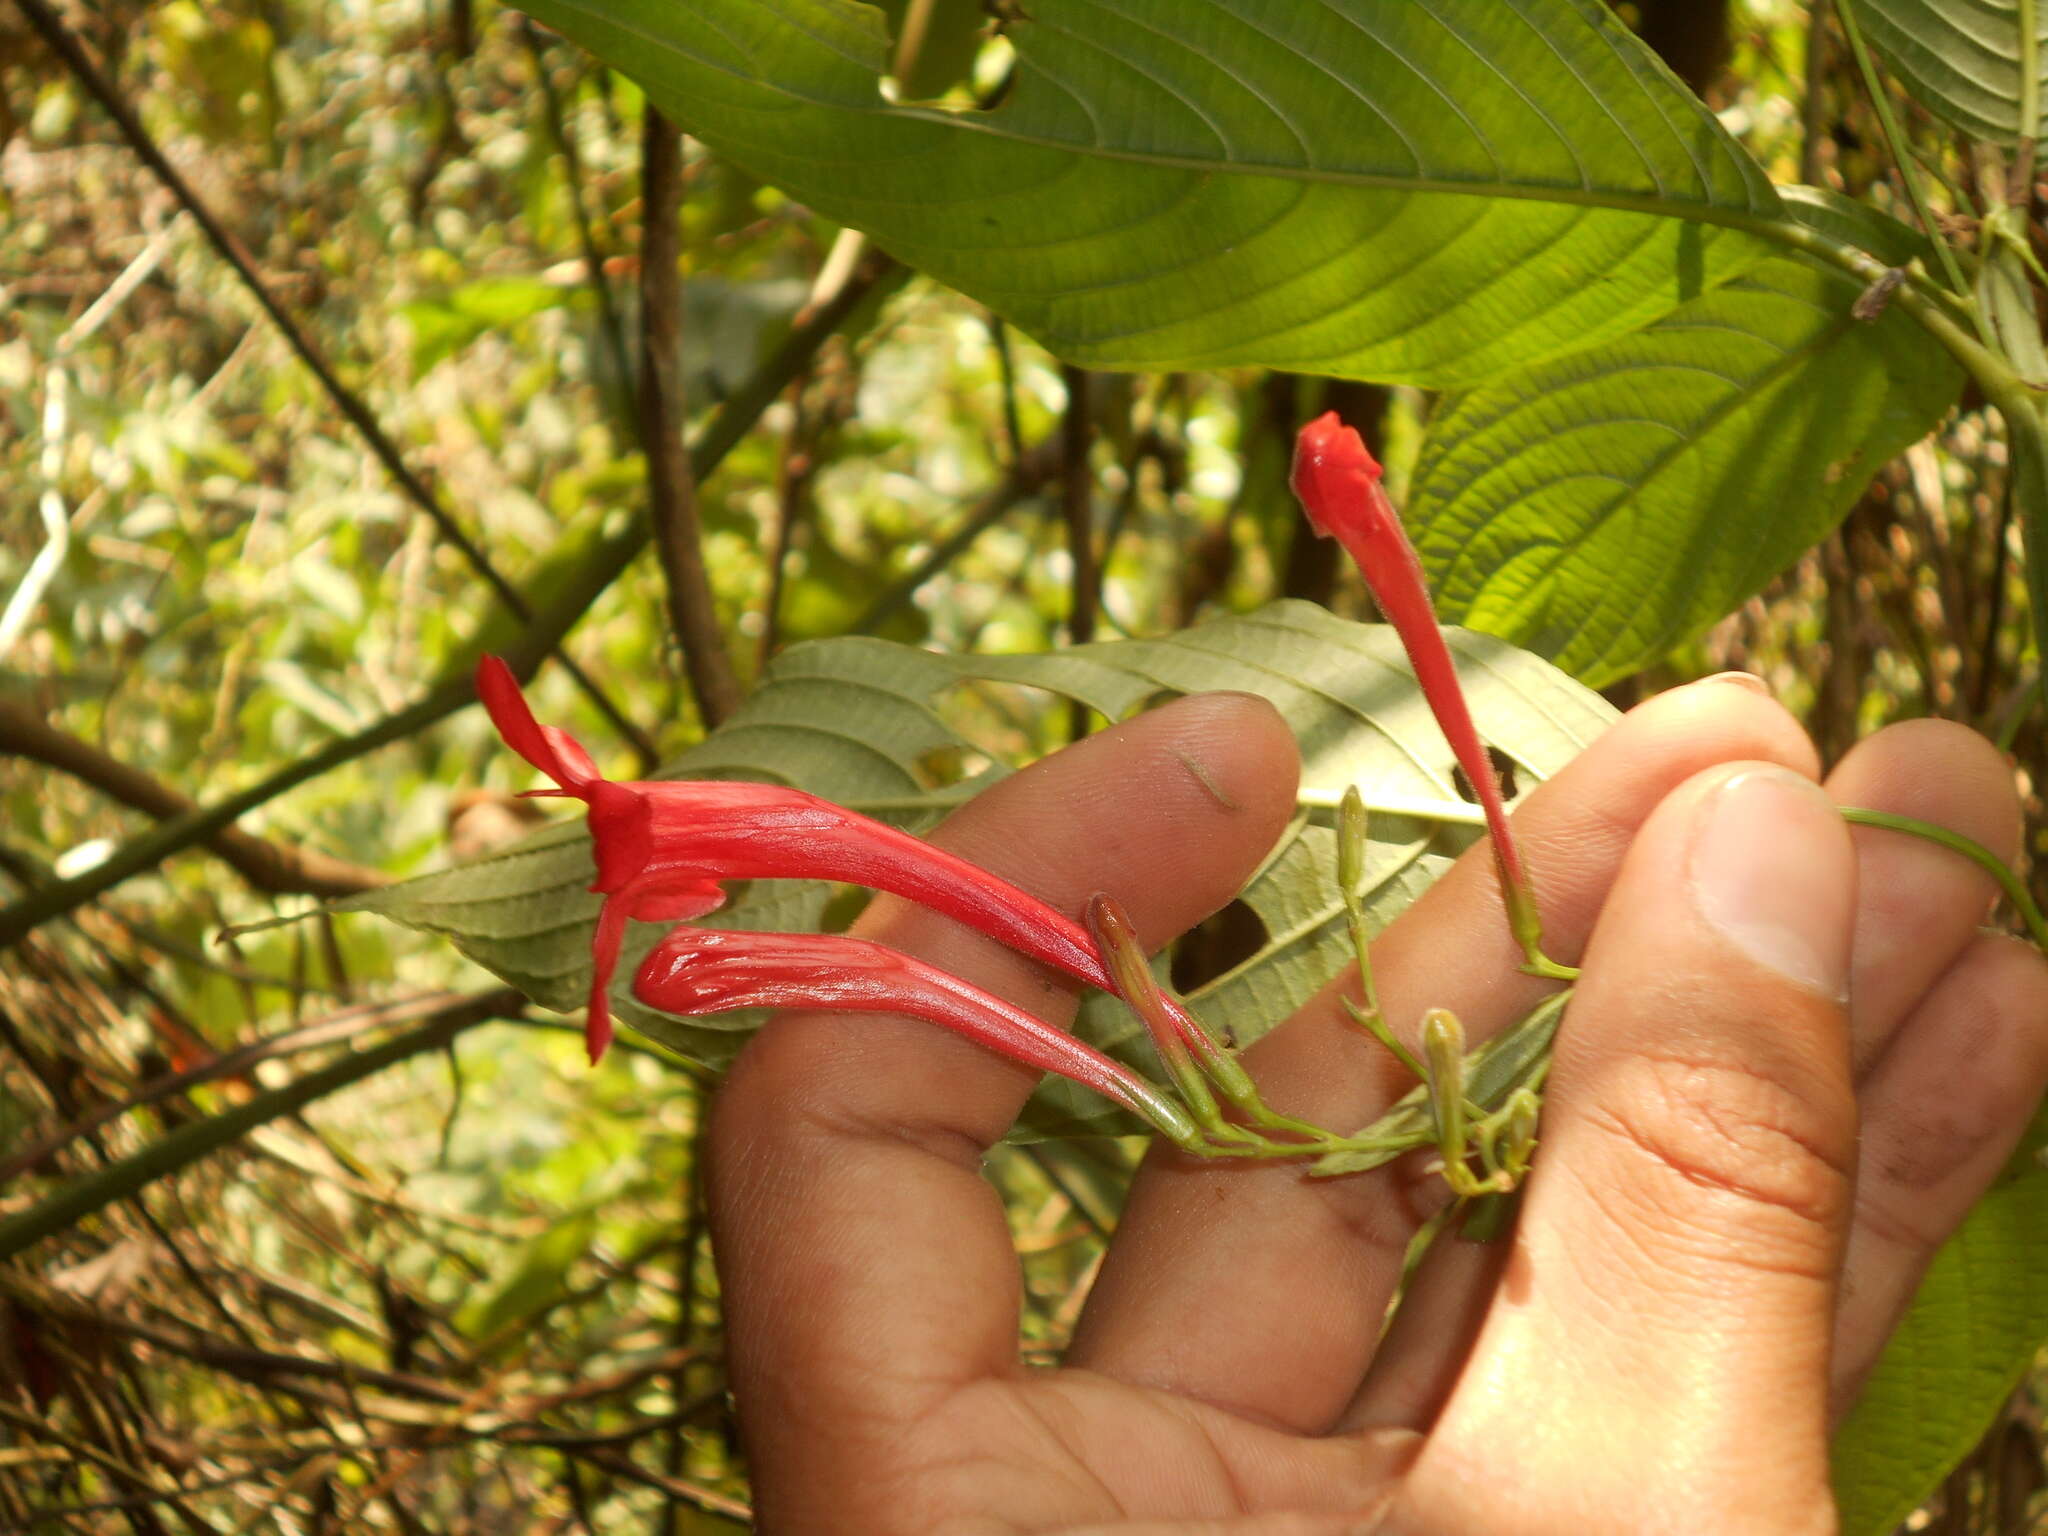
{"x": 1735, "y": 1134}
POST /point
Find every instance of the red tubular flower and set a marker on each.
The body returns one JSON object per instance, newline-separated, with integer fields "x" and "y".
{"x": 1338, "y": 482}
{"x": 663, "y": 846}
{"x": 709, "y": 970}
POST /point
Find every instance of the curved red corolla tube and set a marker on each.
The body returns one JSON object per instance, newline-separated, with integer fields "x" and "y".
{"x": 1338, "y": 482}
{"x": 662, "y": 847}
{"x": 709, "y": 970}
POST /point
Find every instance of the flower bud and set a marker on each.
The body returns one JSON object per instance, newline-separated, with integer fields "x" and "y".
{"x": 1337, "y": 481}
{"x": 1443, "y": 1054}
{"x": 1351, "y": 843}
{"x": 1518, "y": 1141}
{"x": 1132, "y": 980}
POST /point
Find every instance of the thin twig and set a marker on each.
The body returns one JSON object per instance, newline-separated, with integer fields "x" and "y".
{"x": 683, "y": 1336}
{"x": 1813, "y": 124}
{"x": 269, "y": 866}
{"x": 147, "y": 936}
{"x": 1077, "y": 504}
{"x": 586, "y": 236}
{"x": 1902, "y": 159}
{"x": 619, "y": 1464}
{"x": 130, "y": 1194}
{"x": 1006, "y": 370}
{"x": 793, "y": 497}
{"x": 28, "y": 593}
{"x": 1994, "y": 618}
{"x": 336, "y": 1027}
{"x": 82, "y": 1196}
{"x": 134, "y": 1477}
{"x": 671, "y": 488}
{"x": 65, "y": 44}
{"x": 250, "y": 1363}
{"x": 1031, "y": 474}
{"x": 1054, "y": 1175}
{"x": 727, "y": 425}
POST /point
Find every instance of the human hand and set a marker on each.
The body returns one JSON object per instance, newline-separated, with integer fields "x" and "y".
{"x": 1706, "y": 1266}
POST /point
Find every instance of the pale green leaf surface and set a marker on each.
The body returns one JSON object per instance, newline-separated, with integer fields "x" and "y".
{"x": 2005, "y": 294}
{"x": 1605, "y": 506}
{"x": 1408, "y": 190}
{"x": 1973, "y": 1329}
{"x": 1961, "y": 60}
{"x": 856, "y": 720}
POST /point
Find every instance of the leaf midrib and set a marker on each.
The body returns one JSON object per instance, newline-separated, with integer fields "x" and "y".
{"x": 1743, "y": 218}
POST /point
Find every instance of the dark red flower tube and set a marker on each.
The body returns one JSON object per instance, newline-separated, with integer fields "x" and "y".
{"x": 710, "y": 970}
{"x": 1338, "y": 482}
{"x": 662, "y": 847}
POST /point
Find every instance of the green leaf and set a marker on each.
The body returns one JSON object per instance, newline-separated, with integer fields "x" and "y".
{"x": 1845, "y": 220}
{"x": 539, "y": 1280}
{"x": 860, "y": 722}
{"x": 222, "y": 67}
{"x": 1605, "y": 506}
{"x": 1961, "y": 59}
{"x": 1972, "y": 1331}
{"x": 444, "y": 325}
{"x": 2005, "y": 293}
{"x": 1418, "y": 190}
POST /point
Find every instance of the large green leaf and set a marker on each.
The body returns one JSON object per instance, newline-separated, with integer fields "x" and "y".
{"x": 861, "y": 722}
{"x": 1972, "y": 1332}
{"x": 1603, "y": 506}
{"x": 1961, "y": 59}
{"x": 1419, "y": 190}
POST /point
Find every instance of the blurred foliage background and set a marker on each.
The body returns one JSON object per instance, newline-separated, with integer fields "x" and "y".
{"x": 470, "y": 1292}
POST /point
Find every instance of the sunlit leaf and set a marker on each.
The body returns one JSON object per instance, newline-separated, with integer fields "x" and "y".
{"x": 1426, "y": 191}
{"x": 1602, "y": 507}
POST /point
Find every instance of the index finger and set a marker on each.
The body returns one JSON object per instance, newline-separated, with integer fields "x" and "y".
{"x": 865, "y": 1265}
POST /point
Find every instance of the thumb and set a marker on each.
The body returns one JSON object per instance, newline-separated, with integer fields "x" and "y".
{"x": 866, "y": 1267}
{"x": 1672, "y": 1286}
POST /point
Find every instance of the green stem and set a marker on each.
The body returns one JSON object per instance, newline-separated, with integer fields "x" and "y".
{"x": 2027, "y": 446}
{"x": 1373, "y": 1023}
{"x": 1931, "y": 309}
{"x": 524, "y": 649}
{"x": 2014, "y": 888}
{"x": 2027, "y": 436}
{"x": 1895, "y": 142}
{"x": 1411, "y": 1260}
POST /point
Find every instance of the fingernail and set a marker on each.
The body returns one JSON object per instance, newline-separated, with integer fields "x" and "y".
{"x": 1767, "y": 865}
{"x": 1747, "y": 680}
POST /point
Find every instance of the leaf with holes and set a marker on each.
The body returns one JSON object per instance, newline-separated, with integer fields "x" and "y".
{"x": 1602, "y": 507}
{"x": 1425, "y": 191}
{"x": 863, "y": 721}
